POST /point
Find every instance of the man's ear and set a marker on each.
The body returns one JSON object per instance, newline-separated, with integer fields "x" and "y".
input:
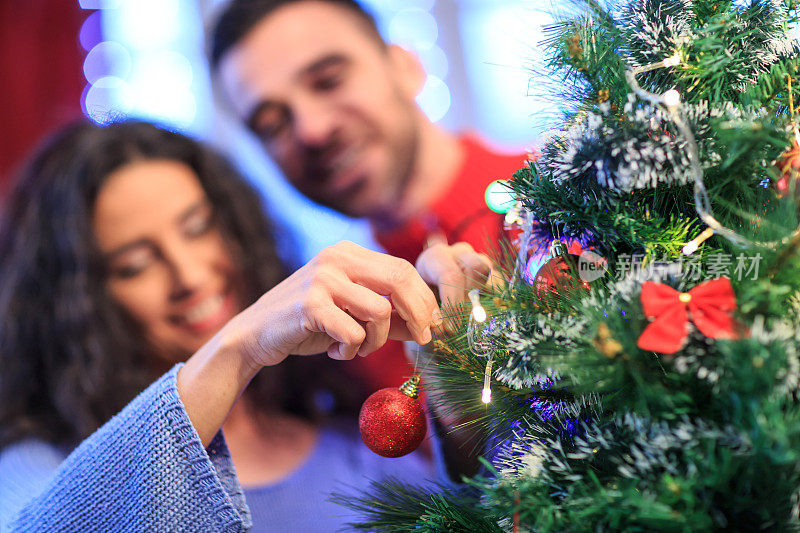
{"x": 408, "y": 69}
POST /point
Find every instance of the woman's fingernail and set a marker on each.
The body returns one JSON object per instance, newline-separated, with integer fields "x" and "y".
{"x": 343, "y": 349}
{"x": 426, "y": 335}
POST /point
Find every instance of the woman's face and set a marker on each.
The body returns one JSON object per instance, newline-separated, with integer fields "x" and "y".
{"x": 168, "y": 264}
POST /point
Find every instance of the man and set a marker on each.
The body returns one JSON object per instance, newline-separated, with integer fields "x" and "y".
{"x": 334, "y": 106}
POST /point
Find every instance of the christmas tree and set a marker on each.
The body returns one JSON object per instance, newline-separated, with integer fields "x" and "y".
{"x": 651, "y": 385}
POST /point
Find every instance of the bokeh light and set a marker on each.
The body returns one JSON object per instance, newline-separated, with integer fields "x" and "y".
{"x": 91, "y": 31}
{"x": 434, "y": 98}
{"x": 435, "y": 61}
{"x": 145, "y": 24}
{"x": 503, "y": 64}
{"x": 415, "y": 28}
{"x": 499, "y": 197}
{"x": 142, "y": 60}
{"x": 106, "y": 59}
{"x": 107, "y": 99}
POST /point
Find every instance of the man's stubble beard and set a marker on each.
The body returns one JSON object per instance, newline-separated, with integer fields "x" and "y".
{"x": 403, "y": 155}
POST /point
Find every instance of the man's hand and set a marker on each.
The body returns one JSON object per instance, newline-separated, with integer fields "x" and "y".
{"x": 455, "y": 270}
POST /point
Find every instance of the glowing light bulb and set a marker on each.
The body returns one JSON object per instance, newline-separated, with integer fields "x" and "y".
{"x": 478, "y": 312}
{"x": 486, "y": 395}
{"x": 672, "y": 98}
{"x": 692, "y": 246}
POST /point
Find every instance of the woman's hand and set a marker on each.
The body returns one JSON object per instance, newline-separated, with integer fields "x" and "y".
{"x": 347, "y": 300}
{"x": 341, "y": 303}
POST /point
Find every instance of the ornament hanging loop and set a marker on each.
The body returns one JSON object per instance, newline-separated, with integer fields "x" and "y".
{"x": 524, "y": 244}
{"x": 557, "y": 248}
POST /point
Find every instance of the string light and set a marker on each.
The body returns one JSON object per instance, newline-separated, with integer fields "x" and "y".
{"x": 702, "y": 202}
{"x": 672, "y": 98}
{"x": 692, "y": 246}
{"x": 483, "y": 349}
{"x": 515, "y": 216}
{"x": 486, "y": 393}
{"x": 672, "y": 61}
{"x": 478, "y": 312}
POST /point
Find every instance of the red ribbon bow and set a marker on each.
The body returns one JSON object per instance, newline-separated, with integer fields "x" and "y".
{"x": 710, "y": 305}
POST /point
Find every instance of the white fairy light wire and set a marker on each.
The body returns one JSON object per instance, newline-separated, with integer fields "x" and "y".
{"x": 671, "y": 101}
{"x": 480, "y": 348}
{"x": 524, "y": 244}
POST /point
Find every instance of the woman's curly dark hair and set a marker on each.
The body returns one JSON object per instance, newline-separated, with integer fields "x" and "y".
{"x": 70, "y": 356}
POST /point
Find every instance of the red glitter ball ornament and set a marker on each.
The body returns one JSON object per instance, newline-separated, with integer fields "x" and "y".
{"x": 556, "y": 274}
{"x": 789, "y": 165}
{"x": 392, "y": 421}
{"x": 559, "y": 274}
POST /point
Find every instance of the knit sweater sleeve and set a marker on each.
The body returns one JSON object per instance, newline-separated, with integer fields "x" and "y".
{"x": 144, "y": 470}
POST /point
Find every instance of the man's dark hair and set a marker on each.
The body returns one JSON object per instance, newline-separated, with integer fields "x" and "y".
{"x": 238, "y": 17}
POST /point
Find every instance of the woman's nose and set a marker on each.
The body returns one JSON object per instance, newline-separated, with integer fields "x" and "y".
{"x": 187, "y": 272}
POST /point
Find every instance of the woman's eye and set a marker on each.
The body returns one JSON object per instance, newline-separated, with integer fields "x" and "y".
{"x": 131, "y": 265}
{"x": 128, "y": 272}
{"x": 130, "y": 269}
{"x": 198, "y": 224}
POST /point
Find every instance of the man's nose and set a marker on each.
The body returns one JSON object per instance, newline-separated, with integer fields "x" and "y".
{"x": 314, "y": 124}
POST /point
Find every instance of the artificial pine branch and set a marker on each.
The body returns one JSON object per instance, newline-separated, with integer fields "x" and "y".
{"x": 586, "y": 430}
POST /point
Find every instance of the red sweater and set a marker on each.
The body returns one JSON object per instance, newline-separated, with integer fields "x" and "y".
{"x": 461, "y": 214}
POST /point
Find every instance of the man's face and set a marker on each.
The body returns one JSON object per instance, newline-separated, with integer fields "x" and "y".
{"x": 332, "y": 105}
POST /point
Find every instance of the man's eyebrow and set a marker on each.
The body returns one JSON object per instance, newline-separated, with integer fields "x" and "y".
{"x": 324, "y": 62}
{"x": 309, "y": 70}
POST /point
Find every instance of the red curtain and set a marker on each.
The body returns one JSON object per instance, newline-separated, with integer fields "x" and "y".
{"x": 41, "y": 74}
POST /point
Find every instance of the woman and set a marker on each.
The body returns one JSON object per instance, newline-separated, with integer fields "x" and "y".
{"x": 128, "y": 249}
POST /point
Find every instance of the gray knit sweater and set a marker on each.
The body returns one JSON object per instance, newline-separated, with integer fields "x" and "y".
{"x": 146, "y": 470}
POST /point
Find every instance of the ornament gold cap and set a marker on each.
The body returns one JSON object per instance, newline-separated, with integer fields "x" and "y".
{"x": 557, "y": 248}
{"x": 411, "y": 387}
